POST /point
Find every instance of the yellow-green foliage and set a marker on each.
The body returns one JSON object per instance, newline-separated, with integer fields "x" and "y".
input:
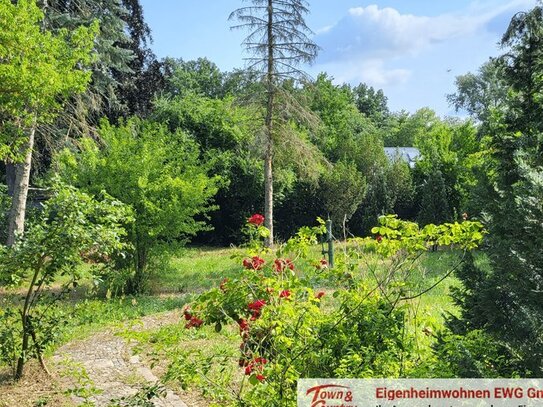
{"x": 37, "y": 68}
{"x": 158, "y": 173}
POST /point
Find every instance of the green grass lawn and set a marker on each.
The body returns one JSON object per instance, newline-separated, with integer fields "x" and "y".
{"x": 180, "y": 273}
{"x": 192, "y": 270}
{"x": 189, "y": 271}
{"x": 184, "y": 269}
{"x": 196, "y": 269}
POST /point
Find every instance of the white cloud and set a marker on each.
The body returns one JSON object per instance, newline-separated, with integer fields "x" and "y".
{"x": 386, "y": 33}
{"x": 371, "y": 71}
{"x": 368, "y": 41}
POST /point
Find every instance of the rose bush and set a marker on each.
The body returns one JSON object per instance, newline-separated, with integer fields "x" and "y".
{"x": 290, "y": 329}
{"x": 256, "y": 220}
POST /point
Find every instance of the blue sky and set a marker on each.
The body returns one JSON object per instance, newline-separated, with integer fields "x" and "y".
{"x": 412, "y": 49}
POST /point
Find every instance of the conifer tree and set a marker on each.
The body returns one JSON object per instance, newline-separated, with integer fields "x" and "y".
{"x": 278, "y": 43}
{"x": 122, "y": 58}
{"x": 505, "y": 299}
{"x": 434, "y": 204}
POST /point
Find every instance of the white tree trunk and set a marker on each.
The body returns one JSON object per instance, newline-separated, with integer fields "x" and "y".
{"x": 268, "y": 193}
{"x": 268, "y": 155}
{"x": 20, "y": 191}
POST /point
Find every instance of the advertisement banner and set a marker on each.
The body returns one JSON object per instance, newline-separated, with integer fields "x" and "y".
{"x": 420, "y": 392}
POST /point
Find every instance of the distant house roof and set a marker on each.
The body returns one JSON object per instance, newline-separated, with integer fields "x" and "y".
{"x": 407, "y": 154}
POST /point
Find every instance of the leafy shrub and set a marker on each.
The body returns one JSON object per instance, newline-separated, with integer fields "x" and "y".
{"x": 10, "y": 337}
{"x": 158, "y": 173}
{"x": 474, "y": 354}
{"x": 289, "y": 329}
{"x": 73, "y": 227}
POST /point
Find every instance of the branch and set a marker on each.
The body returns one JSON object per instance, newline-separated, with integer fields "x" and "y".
{"x": 438, "y": 282}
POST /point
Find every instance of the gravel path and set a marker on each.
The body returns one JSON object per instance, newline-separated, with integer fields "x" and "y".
{"x": 108, "y": 370}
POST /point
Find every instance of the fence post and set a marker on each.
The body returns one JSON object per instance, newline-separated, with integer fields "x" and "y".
{"x": 330, "y": 241}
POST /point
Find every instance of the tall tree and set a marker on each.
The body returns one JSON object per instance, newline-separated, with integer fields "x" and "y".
{"x": 278, "y": 43}
{"x": 157, "y": 172}
{"x": 125, "y": 73}
{"x": 504, "y": 299}
{"x": 201, "y": 77}
{"x": 435, "y": 207}
{"x": 38, "y": 69}
{"x": 147, "y": 75}
{"x": 480, "y": 93}
{"x": 224, "y": 130}
{"x": 370, "y": 102}
{"x": 113, "y": 55}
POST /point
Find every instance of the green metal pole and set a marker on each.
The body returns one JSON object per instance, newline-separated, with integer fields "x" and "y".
{"x": 330, "y": 240}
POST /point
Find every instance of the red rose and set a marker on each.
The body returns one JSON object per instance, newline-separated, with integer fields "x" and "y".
{"x": 257, "y": 364}
{"x": 254, "y": 263}
{"x": 260, "y": 377}
{"x": 257, "y": 305}
{"x": 279, "y": 265}
{"x": 194, "y": 322}
{"x": 255, "y": 315}
{"x": 258, "y": 262}
{"x": 320, "y": 294}
{"x": 243, "y": 325}
{"x": 379, "y": 238}
{"x": 322, "y": 264}
{"x": 284, "y": 294}
{"x": 187, "y": 314}
{"x": 256, "y": 219}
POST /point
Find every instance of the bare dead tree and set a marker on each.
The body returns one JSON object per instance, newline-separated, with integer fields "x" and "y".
{"x": 278, "y": 44}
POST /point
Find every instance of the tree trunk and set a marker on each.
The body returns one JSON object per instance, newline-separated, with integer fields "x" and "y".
{"x": 20, "y": 191}
{"x": 268, "y": 155}
{"x": 25, "y": 323}
{"x": 268, "y": 193}
{"x": 24, "y": 350}
{"x": 138, "y": 281}
{"x": 39, "y": 352}
{"x": 10, "y": 177}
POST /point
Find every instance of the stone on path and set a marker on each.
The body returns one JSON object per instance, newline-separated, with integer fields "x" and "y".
{"x": 103, "y": 368}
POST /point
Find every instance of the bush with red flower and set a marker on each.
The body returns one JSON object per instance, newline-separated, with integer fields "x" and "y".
{"x": 281, "y": 265}
{"x": 256, "y": 233}
{"x": 194, "y": 322}
{"x": 286, "y": 333}
{"x": 254, "y": 263}
{"x": 256, "y": 220}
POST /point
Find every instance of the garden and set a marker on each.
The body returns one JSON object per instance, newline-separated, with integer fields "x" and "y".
{"x": 176, "y": 235}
